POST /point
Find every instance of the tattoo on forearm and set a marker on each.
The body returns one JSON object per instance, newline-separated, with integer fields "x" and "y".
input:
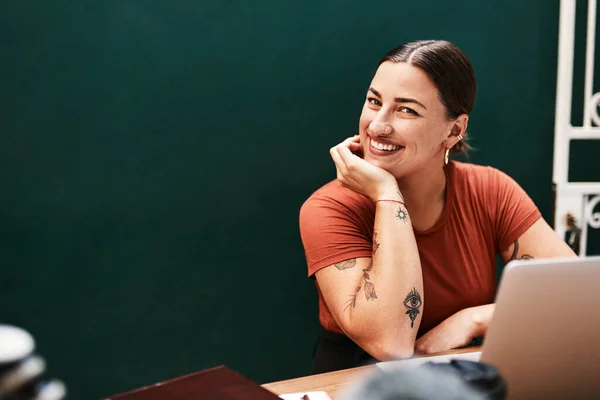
{"x": 352, "y": 301}
{"x": 515, "y": 252}
{"x": 413, "y": 302}
{"x": 402, "y": 214}
{"x": 375, "y": 242}
{"x": 369, "y": 286}
{"x": 366, "y": 284}
{"x": 342, "y": 265}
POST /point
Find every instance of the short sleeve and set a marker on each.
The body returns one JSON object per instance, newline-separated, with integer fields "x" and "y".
{"x": 333, "y": 230}
{"x": 513, "y": 210}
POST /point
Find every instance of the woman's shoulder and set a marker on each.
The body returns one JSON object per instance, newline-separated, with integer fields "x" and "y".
{"x": 475, "y": 177}
{"x": 334, "y": 197}
{"x": 481, "y": 185}
{"x": 469, "y": 169}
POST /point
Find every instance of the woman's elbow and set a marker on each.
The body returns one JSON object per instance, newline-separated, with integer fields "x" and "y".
{"x": 390, "y": 351}
{"x": 383, "y": 346}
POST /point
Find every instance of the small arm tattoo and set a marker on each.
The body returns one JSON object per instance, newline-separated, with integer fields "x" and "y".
{"x": 413, "y": 302}
{"x": 346, "y": 264}
{"x": 369, "y": 286}
{"x": 352, "y": 301}
{"x": 402, "y": 214}
{"x": 515, "y": 252}
{"x": 366, "y": 284}
{"x": 370, "y": 267}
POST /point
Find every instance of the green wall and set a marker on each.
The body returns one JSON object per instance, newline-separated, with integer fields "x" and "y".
{"x": 154, "y": 156}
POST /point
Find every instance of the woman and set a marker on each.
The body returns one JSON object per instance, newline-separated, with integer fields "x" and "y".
{"x": 403, "y": 244}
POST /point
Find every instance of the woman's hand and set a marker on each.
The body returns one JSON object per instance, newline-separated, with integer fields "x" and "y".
{"x": 359, "y": 175}
{"x": 457, "y": 330}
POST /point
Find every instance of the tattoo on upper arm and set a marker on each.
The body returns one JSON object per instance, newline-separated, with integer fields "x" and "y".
{"x": 515, "y": 253}
{"x": 413, "y": 302}
{"x": 346, "y": 264}
{"x": 375, "y": 242}
{"x": 402, "y": 214}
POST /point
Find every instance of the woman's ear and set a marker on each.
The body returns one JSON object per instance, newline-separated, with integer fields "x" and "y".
{"x": 457, "y": 131}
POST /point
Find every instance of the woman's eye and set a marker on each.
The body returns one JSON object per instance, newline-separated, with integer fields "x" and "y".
{"x": 374, "y": 101}
{"x": 407, "y": 110}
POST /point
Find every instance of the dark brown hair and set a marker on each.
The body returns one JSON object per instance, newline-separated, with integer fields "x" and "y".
{"x": 450, "y": 71}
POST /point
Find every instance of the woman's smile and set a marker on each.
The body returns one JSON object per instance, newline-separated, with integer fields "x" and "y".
{"x": 378, "y": 147}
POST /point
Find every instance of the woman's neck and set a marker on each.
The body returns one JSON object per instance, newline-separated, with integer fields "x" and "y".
{"x": 424, "y": 193}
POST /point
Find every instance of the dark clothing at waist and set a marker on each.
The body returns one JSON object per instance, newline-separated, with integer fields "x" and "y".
{"x": 335, "y": 351}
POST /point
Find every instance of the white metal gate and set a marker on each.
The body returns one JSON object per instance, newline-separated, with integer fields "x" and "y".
{"x": 575, "y": 201}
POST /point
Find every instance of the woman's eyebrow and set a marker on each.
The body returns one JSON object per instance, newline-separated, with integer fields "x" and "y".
{"x": 399, "y": 99}
{"x": 408, "y": 100}
{"x": 375, "y": 92}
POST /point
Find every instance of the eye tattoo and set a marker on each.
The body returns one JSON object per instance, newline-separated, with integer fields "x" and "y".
{"x": 412, "y": 302}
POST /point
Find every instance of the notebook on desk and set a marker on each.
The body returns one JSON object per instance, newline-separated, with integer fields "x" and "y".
{"x": 544, "y": 337}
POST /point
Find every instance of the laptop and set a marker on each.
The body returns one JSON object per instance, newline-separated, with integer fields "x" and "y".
{"x": 544, "y": 337}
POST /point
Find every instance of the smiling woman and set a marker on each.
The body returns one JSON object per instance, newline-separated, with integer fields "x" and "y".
{"x": 403, "y": 243}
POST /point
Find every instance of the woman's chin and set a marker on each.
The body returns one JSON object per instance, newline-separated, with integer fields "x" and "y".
{"x": 393, "y": 168}
{"x": 378, "y": 162}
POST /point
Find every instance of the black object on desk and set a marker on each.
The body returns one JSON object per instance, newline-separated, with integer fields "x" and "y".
{"x": 484, "y": 378}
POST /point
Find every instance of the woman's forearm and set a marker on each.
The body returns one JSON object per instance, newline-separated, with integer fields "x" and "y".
{"x": 480, "y": 317}
{"x": 456, "y": 331}
{"x": 387, "y": 327}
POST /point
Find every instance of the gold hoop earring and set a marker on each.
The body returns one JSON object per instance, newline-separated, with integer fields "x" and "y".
{"x": 446, "y": 156}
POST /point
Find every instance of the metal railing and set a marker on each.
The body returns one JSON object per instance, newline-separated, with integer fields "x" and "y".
{"x": 575, "y": 201}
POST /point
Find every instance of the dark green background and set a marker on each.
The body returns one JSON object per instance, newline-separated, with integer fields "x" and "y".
{"x": 154, "y": 156}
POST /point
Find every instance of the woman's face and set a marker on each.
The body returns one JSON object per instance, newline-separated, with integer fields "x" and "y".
{"x": 403, "y": 125}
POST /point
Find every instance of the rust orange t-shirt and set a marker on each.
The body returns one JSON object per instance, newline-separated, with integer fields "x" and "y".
{"x": 485, "y": 212}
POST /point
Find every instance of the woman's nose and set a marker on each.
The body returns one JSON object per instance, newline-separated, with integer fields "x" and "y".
{"x": 380, "y": 127}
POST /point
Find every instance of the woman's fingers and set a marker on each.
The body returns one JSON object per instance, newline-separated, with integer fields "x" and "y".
{"x": 349, "y": 159}
{"x": 345, "y": 160}
{"x": 357, "y": 174}
{"x": 339, "y": 163}
{"x": 355, "y": 146}
{"x": 351, "y": 141}
{"x": 340, "y": 167}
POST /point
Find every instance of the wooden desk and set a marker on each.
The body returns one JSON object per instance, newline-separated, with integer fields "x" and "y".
{"x": 333, "y": 382}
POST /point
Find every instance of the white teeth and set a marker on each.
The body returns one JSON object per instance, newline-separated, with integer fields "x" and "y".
{"x": 386, "y": 147}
